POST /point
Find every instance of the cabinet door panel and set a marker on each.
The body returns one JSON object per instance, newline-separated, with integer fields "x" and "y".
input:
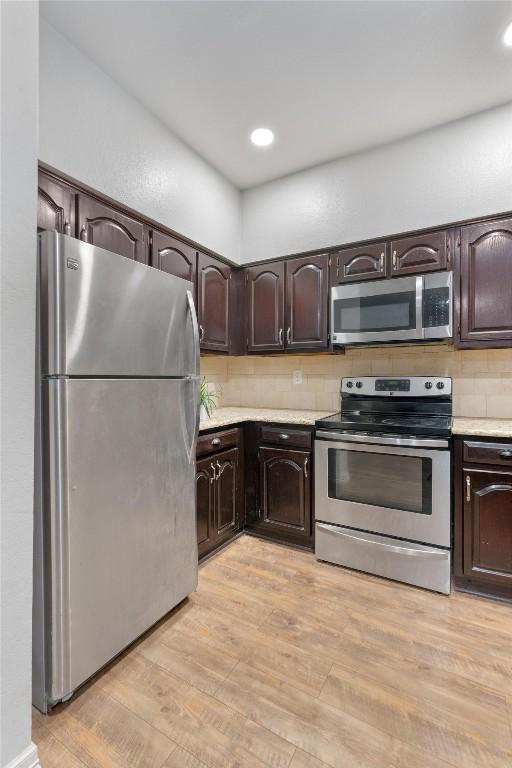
{"x": 172, "y": 256}
{"x": 226, "y": 492}
{"x": 204, "y": 506}
{"x": 488, "y": 525}
{"x": 285, "y": 489}
{"x": 420, "y": 253}
{"x": 55, "y": 206}
{"x": 213, "y": 303}
{"x": 366, "y": 262}
{"x": 486, "y": 282}
{"x": 307, "y": 290}
{"x": 265, "y": 298}
{"x": 101, "y": 225}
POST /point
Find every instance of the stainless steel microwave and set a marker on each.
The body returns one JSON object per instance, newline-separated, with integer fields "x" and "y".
{"x": 417, "y": 308}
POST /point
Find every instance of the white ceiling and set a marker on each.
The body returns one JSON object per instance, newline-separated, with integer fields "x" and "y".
{"x": 330, "y": 78}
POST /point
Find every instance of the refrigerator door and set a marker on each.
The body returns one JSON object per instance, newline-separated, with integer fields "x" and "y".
{"x": 104, "y": 315}
{"x": 120, "y": 468}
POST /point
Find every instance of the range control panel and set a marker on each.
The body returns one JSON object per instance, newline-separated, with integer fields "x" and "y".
{"x": 403, "y": 386}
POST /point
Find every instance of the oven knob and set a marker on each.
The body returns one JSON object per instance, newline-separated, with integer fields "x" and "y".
{"x": 359, "y": 384}
{"x": 428, "y": 385}
{"x": 349, "y": 384}
{"x": 440, "y": 385}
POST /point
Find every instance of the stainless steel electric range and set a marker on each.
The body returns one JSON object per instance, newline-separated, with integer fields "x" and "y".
{"x": 382, "y": 479}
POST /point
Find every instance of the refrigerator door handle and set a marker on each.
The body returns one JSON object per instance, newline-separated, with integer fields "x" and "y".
{"x": 194, "y": 383}
{"x": 195, "y": 328}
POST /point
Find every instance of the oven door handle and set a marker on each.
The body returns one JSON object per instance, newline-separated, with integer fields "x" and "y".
{"x": 405, "y": 442}
{"x": 426, "y": 554}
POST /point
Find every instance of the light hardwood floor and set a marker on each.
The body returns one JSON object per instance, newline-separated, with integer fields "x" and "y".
{"x": 280, "y": 661}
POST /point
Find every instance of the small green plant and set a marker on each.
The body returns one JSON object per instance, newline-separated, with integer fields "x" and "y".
{"x": 208, "y": 397}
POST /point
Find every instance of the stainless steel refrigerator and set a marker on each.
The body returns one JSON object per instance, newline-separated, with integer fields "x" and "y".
{"x": 117, "y": 417}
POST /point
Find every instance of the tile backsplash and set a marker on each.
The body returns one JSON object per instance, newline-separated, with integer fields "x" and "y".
{"x": 482, "y": 379}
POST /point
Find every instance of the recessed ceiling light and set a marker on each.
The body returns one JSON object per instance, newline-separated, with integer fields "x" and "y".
{"x": 262, "y": 137}
{"x": 507, "y": 37}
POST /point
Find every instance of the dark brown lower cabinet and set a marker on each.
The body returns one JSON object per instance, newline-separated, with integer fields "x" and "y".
{"x": 258, "y": 477}
{"x": 219, "y": 499}
{"x": 483, "y": 516}
{"x": 204, "y": 506}
{"x": 278, "y": 482}
{"x": 285, "y": 492}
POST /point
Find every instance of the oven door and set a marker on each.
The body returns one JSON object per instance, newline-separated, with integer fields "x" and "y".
{"x": 401, "y": 488}
{"x": 391, "y": 310}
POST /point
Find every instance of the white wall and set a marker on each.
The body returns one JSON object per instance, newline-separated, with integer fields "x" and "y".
{"x": 91, "y": 129}
{"x": 458, "y": 171}
{"x": 18, "y": 120}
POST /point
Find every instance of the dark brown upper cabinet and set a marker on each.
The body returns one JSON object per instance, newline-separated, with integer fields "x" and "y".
{"x": 486, "y": 284}
{"x": 55, "y": 205}
{"x": 213, "y": 278}
{"x": 172, "y": 256}
{"x": 101, "y": 225}
{"x": 418, "y": 254}
{"x": 265, "y": 302}
{"x": 366, "y": 262}
{"x": 307, "y": 294}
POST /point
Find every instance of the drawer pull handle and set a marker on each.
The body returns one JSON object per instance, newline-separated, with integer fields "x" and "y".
{"x": 281, "y": 336}
{"x": 283, "y": 436}
{"x": 213, "y": 477}
{"x": 288, "y": 336}
{"x": 468, "y": 488}
{"x": 201, "y": 333}
{"x": 306, "y": 461}
{"x": 506, "y": 453}
{"x": 216, "y": 441}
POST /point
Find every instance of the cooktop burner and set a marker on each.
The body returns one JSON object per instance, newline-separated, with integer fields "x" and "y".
{"x": 403, "y": 405}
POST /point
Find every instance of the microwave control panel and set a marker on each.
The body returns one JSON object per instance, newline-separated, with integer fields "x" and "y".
{"x": 436, "y": 307}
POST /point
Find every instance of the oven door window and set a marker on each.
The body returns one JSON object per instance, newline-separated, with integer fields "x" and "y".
{"x": 381, "y": 479}
{"x": 372, "y": 314}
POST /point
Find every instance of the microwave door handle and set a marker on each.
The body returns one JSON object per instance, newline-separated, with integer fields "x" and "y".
{"x": 420, "y": 285}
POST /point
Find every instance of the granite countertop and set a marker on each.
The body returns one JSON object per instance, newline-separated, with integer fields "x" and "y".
{"x": 482, "y": 427}
{"x": 223, "y": 417}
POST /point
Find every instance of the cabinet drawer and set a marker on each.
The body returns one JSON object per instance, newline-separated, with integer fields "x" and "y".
{"x": 217, "y": 441}
{"x": 284, "y": 436}
{"x": 498, "y": 454}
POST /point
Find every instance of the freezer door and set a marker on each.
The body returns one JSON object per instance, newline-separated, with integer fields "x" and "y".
{"x": 120, "y": 516}
{"x": 104, "y": 315}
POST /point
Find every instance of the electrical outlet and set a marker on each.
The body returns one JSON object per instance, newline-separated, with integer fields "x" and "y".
{"x": 297, "y": 377}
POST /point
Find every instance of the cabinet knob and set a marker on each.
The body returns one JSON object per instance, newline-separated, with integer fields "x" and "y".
{"x": 83, "y": 234}
{"x": 283, "y": 436}
{"x": 67, "y": 227}
{"x": 506, "y": 453}
{"x": 216, "y": 441}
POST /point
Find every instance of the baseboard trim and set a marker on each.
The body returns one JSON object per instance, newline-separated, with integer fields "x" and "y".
{"x": 26, "y": 759}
